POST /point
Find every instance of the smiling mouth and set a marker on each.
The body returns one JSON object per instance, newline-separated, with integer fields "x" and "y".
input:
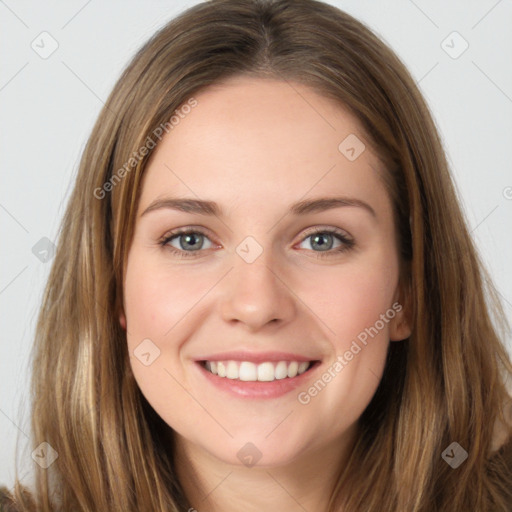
{"x": 263, "y": 372}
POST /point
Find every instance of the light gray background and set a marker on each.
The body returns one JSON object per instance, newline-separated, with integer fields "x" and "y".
{"x": 48, "y": 107}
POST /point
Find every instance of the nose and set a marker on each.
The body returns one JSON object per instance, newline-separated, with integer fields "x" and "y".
{"x": 256, "y": 294}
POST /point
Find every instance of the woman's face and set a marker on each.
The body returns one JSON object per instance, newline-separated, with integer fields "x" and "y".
{"x": 291, "y": 263}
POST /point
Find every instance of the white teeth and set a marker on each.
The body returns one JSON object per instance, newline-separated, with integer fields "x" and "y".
{"x": 248, "y": 371}
{"x": 281, "y": 371}
{"x": 251, "y": 372}
{"x": 302, "y": 367}
{"x": 232, "y": 370}
{"x": 292, "y": 369}
{"x": 266, "y": 372}
{"x": 221, "y": 369}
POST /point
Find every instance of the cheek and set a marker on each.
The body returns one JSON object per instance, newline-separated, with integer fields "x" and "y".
{"x": 355, "y": 303}
{"x": 155, "y": 301}
{"x": 157, "y": 298}
{"x": 351, "y": 298}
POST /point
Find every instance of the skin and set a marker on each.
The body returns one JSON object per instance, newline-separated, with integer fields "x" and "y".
{"x": 255, "y": 146}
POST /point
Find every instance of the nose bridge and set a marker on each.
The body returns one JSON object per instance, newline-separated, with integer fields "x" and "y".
{"x": 254, "y": 293}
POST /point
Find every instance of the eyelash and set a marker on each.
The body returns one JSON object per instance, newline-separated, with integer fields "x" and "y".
{"x": 348, "y": 243}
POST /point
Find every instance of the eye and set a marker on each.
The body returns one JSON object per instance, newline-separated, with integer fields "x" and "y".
{"x": 324, "y": 240}
{"x": 185, "y": 241}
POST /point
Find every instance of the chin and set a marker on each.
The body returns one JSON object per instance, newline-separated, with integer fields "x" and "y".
{"x": 257, "y": 451}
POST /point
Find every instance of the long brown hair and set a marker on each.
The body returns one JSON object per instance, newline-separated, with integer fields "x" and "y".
{"x": 444, "y": 384}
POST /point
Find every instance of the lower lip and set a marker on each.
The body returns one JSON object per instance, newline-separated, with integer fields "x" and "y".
{"x": 257, "y": 389}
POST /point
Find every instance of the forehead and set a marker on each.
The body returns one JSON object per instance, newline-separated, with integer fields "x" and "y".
{"x": 261, "y": 141}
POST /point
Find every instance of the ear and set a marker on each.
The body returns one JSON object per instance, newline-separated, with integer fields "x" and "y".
{"x": 400, "y": 326}
{"x": 122, "y": 320}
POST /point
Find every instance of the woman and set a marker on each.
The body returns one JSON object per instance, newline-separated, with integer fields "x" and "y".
{"x": 195, "y": 351}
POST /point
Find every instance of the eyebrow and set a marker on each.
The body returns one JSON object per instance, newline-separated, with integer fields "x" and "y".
{"x": 201, "y": 207}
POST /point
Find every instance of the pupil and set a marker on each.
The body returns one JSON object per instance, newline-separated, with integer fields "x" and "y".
{"x": 188, "y": 238}
{"x": 323, "y": 246}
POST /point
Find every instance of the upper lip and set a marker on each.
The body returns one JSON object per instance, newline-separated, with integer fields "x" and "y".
{"x": 256, "y": 357}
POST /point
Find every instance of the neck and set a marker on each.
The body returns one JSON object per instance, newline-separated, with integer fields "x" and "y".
{"x": 305, "y": 483}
